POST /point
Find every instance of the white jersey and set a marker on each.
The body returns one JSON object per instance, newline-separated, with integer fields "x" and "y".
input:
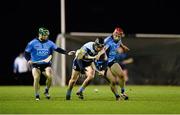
{"x": 20, "y": 65}
{"x": 89, "y": 50}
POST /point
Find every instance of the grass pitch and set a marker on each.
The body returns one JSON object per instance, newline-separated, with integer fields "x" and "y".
{"x": 143, "y": 100}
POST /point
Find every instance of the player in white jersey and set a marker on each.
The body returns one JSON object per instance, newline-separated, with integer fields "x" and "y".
{"x": 83, "y": 64}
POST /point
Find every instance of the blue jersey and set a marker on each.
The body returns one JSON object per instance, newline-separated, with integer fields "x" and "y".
{"x": 40, "y": 50}
{"x": 121, "y": 56}
{"x": 101, "y": 64}
{"x": 111, "y": 47}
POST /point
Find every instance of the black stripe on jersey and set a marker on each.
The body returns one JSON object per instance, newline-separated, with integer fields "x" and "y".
{"x": 89, "y": 52}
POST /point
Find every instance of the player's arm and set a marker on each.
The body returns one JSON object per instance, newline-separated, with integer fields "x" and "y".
{"x": 100, "y": 73}
{"x": 62, "y": 51}
{"x": 87, "y": 56}
{"x": 79, "y": 56}
{"x": 82, "y": 54}
{"x": 27, "y": 52}
{"x": 128, "y": 61}
{"x": 27, "y": 56}
{"x": 100, "y": 53}
{"x": 90, "y": 57}
{"x": 124, "y": 47}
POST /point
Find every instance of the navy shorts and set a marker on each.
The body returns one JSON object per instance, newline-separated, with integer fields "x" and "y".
{"x": 111, "y": 63}
{"x": 42, "y": 67}
{"x": 84, "y": 64}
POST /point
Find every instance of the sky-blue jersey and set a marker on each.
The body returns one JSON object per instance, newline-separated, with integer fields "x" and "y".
{"x": 101, "y": 64}
{"x": 121, "y": 56}
{"x": 111, "y": 47}
{"x": 40, "y": 50}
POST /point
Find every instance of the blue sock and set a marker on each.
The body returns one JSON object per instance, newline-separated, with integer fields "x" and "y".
{"x": 117, "y": 95}
{"x": 81, "y": 89}
{"x": 68, "y": 92}
{"x": 122, "y": 90}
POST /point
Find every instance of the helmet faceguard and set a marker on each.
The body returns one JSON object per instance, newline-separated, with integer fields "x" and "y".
{"x": 99, "y": 42}
{"x": 118, "y": 33}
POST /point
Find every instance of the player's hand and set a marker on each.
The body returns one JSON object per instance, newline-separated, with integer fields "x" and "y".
{"x": 120, "y": 50}
{"x": 125, "y": 48}
{"x": 71, "y": 52}
{"x": 101, "y": 73}
{"x": 30, "y": 62}
{"x": 100, "y": 54}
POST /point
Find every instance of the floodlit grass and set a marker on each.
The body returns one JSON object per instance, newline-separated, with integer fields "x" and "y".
{"x": 143, "y": 100}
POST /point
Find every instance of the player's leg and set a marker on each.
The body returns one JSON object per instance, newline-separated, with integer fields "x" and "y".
{"x": 126, "y": 74}
{"x": 112, "y": 82}
{"x": 89, "y": 76}
{"x": 72, "y": 81}
{"x": 48, "y": 73}
{"x": 118, "y": 72}
{"x": 36, "y": 75}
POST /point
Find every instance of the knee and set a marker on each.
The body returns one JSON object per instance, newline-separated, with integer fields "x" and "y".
{"x": 72, "y": 81}
{"x": 49, "y": 78}
{"x": 36, "y": 78}
{"x": 49, "y": 74}
{"x": 113, "y": 82}
{"x": 90, "y": 77}
{"x": 122, "y": 77}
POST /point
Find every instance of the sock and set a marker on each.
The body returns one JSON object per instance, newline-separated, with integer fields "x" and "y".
{"x": 68, "y": 92}
{"x": 46, "y": 89}
{"x": 81, "y": 89}
{"x": 122, "y": 90}
{"x": 116, "y": 95}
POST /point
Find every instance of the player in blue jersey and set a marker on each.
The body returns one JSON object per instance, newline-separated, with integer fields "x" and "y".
{"x": 38, "y": 49}
{"x": 112, "y": 44}
{"x": 103, "y": 70}
{"x": 124, "y": 59}
{"x": 83, "y": 64}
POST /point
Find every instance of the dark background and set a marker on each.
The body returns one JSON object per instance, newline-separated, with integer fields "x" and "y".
{"x": 20, "y": 20}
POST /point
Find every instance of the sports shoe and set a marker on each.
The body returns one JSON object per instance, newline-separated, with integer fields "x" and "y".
{"x": 37, "y": 98}
{"x": 46, "y": 93}
{"x": 118, "y": 98}
{"x": 80, "y": 95}
{"x": 124, "y": 96}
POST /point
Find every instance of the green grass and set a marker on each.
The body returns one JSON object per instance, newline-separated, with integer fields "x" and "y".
{"x": 143, "y": 100}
